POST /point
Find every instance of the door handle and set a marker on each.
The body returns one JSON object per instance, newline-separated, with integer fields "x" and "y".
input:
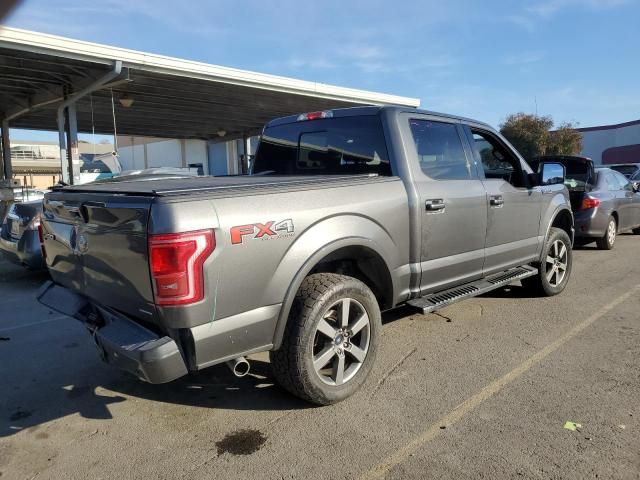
{"x": 434, "y": 204}
{"x": 496, "y": 201}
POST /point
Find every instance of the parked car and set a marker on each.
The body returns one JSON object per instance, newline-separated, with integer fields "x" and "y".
{"x": 627, "y": 169}
{"x": 612, "y": 206}
{"x": 348, "y": 212}
{"x": 604, "y": 201}
{"x": 19, "y": 241}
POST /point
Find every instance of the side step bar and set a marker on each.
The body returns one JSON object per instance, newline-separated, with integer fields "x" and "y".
{"x": 438, "y": 300}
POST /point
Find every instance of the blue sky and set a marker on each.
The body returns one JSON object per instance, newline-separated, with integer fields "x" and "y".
{"x": 579, "y": 59}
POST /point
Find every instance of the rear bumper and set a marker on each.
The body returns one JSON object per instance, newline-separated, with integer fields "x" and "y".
{"x": 121, "y": 342}
{"x": 25, "y": 251}
{"x": 590, "y": 223}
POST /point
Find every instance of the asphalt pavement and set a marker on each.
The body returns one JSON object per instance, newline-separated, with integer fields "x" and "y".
{"x": 482, "y": 389}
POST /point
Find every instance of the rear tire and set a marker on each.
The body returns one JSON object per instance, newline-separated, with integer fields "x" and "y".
{"x": 636, "y": 231}
{"x": 325, "y": 357}
{"x": 608, "y": 240}
{"x": 555, "y": 267}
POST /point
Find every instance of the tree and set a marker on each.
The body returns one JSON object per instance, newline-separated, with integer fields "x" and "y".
{"x": 531, "y": 135}
{"x": 565, "y": 140}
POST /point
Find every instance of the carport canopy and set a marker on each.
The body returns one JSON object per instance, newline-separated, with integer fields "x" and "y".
{"x": 171, "y": 97}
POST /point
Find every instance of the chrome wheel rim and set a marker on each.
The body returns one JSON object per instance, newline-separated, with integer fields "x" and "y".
{"x": 611, "y": 232}
{"x": 341, "y": 342}
{"x": 556, "y": 263}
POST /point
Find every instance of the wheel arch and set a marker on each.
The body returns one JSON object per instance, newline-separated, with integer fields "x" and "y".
{"x": 615, "y": 215}
{"x": 354, "y": 256}
{"x": 563, "y": 219}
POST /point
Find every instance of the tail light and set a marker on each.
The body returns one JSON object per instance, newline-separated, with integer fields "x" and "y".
{"x": 176, "y": 261}
{"x": 41, "y": 237}
{"x": 589, "y": 202}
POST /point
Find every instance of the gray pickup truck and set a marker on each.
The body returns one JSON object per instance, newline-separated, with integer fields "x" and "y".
{"x": 346, "y": 213}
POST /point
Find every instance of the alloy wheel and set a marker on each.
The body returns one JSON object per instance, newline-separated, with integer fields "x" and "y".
{"x": 341, "y": 342}
{"x": 611, "y": 232}
{"x": 556, "y": 263}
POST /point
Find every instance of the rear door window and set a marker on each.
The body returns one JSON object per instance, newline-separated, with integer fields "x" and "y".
{"x": 612, "y": 182}
{"x": 330, "y": 146}
{"x": 440, "y": 152}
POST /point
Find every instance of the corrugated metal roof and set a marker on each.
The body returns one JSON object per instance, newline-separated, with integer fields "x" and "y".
{"x": 172, "y": 97}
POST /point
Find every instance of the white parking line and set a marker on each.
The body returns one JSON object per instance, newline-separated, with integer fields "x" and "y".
{"x": 32, "y": 324}
{"x": 400, "y": 455}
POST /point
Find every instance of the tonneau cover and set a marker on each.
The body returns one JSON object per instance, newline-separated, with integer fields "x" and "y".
{"x": 177, "y": 185}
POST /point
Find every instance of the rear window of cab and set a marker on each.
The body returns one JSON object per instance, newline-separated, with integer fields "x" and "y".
{"x": 328, "y": 146}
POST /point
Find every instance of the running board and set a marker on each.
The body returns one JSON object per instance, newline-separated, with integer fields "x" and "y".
{"x": 438, "y": 300}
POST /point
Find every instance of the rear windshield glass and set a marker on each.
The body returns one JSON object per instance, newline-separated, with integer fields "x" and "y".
{"x": 331, "y": 146}
{"x": 576, "y": 176}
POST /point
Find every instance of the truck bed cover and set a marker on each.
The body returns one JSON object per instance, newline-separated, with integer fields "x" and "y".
{"x": 162, "y": 186}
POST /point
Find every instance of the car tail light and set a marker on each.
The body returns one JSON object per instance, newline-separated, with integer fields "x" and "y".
{"x": 315, "y": 115}
{"x": 176, "y": 261}
{"x": 41, "y": 237}
{"x": 589, "y": 202}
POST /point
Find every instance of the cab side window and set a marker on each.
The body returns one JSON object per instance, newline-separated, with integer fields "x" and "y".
{"x": 496, "y": 159}
{"x": 440, "y": 151}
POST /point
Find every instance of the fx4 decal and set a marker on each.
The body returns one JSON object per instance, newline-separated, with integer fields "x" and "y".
{"x": 263, "y": 231}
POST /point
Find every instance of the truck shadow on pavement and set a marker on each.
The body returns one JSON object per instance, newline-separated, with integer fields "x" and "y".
{"x": 52, "y": 380}
{"x": 90, "y": 391}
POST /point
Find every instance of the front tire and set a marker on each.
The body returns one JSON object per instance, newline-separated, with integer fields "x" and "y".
{"x": 330, "y": 341}
{"x": 555, "y": 266}
{"x": 609, "y": 237}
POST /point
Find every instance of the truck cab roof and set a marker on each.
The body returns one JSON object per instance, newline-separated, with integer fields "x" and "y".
{"x": 376, "y": 110}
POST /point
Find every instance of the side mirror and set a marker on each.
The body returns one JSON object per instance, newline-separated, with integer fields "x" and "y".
{"x": 635, "y": 186}
{"x": 550, "y": 174}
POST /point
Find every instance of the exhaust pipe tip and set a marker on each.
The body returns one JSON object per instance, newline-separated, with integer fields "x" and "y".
{"x": 239, "y": 366}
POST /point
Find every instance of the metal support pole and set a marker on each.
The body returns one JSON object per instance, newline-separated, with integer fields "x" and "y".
{"x": 62, "y": 141}
{"x": 73, "y": 154}
{"x": 7, "y": 169}
{"x": 247, "y": 152}
{"x": 68, "y": 172}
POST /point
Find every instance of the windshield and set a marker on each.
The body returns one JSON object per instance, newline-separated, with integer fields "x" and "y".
{"x": 330, "y": 146}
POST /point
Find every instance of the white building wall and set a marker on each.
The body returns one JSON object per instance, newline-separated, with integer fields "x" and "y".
{"x": 221, "y": 158}
{"x": 132, "y": 158}
{"x": 137, "y": 153}
{"x": 196, "y": 152}
{"x": 166, "y": 153}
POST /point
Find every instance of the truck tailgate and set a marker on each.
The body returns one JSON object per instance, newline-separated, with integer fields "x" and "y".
{"x": 96, "y": 245}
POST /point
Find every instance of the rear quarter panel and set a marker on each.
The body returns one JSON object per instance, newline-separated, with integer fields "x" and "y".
{"x": 260, "y": 270}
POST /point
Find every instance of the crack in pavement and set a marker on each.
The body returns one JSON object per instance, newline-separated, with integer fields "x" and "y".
{"x": 392, "y": 369}
{"x": 448, "y": 319}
